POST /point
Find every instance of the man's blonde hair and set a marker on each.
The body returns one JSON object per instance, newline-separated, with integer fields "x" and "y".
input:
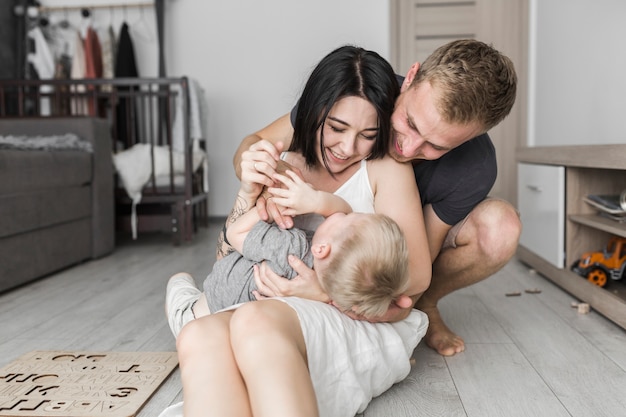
{"x": 474, "y": 81}
{"x": 370, "y": 268}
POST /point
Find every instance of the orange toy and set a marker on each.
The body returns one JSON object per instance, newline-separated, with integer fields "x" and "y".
{"x": 597, "y": 267}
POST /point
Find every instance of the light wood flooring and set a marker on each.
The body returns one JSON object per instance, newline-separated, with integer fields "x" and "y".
{"x": 531, "y": 355}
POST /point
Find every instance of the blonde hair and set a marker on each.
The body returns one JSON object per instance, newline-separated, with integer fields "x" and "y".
{"x": 474, "y": 81}
{"x": 369, "y": 269}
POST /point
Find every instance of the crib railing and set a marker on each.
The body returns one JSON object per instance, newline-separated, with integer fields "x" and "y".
{"x": 152, "y": 111}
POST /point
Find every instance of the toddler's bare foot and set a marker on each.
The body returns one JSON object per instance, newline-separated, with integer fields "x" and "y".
{"x": 439, "y": 337}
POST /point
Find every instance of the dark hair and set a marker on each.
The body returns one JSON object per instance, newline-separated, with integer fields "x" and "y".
{"x": 346, "y": 71}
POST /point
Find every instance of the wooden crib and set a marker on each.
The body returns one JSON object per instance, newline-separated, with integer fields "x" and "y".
{"x": 160, "y": 160}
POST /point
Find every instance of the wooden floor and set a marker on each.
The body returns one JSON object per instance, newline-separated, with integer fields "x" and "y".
{"x": 531, "y": 355}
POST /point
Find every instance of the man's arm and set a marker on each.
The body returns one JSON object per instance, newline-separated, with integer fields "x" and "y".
{"x": 280, "y": 130}
{"x": 436, "y": 230}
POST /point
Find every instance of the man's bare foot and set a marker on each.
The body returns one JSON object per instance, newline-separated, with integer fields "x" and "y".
{"x": 439, "y": 337}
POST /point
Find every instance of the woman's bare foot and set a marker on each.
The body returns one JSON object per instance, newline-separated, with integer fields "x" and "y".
{"x": 439, "y": 337}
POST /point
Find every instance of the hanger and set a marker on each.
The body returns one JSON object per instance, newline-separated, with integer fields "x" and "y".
{"x": 111, "y": 10}
{"x": 86, "y": 21}
{"x": 141, "y": 28}
{"x": 65, "y": 23}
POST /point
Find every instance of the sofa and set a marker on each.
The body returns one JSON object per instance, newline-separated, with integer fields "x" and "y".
{"x": 56, "y": 206}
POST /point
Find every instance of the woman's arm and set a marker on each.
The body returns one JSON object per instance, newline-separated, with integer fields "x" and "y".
{"x": 396, "y": 195}
{"x": 280, "y": 130}
{"x": 236, "y": 233}
{"x": 243, "y": 204}
{"x": 255, "y": 169}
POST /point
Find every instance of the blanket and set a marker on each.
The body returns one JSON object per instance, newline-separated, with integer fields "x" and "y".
{"x": 135, "y": 170}
{"x": 69, "y": 141}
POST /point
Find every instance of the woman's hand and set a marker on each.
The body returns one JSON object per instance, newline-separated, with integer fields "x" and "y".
{"x": 304, "y": 285}
{"x": 269, "y": 211}
{"x": 258, "y": 166}
{"x": 272, "y": 208}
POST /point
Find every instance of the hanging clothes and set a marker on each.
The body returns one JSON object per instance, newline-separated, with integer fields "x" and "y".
{"x": 79, "y": 69}
{"x": 108, "y": 44}
{"x": 61, "y": 38}
{"x": 43, "y": 61}
{"x": 93, "y": 55}
{"x": 41, "y": 58}
{"x": 93, "y": 64}
{"x": 125, "y": 67}
{"x": 125, "y": 64}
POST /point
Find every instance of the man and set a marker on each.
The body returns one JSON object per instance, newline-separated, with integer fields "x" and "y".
{"x": 444, "y": 110}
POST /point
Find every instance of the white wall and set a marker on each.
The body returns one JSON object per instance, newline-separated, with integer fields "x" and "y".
{"x": 251, "y": 57}
{"x": 577, "y": 82}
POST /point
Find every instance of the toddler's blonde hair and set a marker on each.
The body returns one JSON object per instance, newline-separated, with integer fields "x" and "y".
{"x": 369, "y": 269}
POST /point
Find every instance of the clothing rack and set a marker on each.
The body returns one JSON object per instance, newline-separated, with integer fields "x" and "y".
{"x": 97, "y": 6}
{"x": 30, "y": 11}
{"x": 20, "y": 10}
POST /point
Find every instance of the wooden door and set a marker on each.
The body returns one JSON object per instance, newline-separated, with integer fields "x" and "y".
{"x": 418, "y": 27}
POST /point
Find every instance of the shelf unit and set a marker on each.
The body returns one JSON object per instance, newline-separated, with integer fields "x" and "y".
{"x": 589, "y": 169}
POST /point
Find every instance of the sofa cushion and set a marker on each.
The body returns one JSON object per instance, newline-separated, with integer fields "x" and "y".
{"x": 37, "y": 209}
{"x": 27, "y": 256}
{"x": 36, "y": 170}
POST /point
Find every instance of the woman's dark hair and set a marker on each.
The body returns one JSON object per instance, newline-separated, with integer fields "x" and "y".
{"x": 346, "y": 71}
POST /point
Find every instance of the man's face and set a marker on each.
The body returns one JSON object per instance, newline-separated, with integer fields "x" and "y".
{"x": 418, "y": 129}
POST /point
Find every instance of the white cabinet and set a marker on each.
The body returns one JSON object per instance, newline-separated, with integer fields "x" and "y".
{"x": 541, "y": 202}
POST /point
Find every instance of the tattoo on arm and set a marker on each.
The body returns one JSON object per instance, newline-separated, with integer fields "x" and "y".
{"x": 241, "y": 207}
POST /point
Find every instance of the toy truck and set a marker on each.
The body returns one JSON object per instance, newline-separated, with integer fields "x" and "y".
{"x": 597, "y": 267}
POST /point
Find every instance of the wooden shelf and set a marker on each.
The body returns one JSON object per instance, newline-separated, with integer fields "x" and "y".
{"x": 583, "y": 156}
{"x": 609, "y": 303}
{"x": 589, "y": 169}
{"x": 600, "y": 223}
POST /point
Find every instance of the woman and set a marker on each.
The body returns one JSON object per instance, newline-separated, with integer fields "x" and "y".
{"x": 293, "y": 356}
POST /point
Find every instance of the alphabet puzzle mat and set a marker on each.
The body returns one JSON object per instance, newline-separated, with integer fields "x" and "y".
{"x": 82, "y": 384}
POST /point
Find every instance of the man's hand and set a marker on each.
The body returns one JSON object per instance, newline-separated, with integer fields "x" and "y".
{"x": 304, "y": 285}
{"x": 397, "y": 311}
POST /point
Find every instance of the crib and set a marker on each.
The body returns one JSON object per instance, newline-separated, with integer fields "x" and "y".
{"x": 158, "y": 152}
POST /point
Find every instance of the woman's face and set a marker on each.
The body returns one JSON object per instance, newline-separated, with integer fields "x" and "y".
{"x": 350, "y": 131}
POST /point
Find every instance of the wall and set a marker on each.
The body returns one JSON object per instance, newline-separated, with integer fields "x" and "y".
{"x": 577, "y": 88}
{"x": 8, "y": 51}
{"x": 251, "y": 57}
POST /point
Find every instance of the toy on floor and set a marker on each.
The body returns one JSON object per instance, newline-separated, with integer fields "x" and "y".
{"x": 597, "y": 267}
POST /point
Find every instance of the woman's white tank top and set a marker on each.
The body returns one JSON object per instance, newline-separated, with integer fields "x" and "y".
{"x": 357, "y": 191}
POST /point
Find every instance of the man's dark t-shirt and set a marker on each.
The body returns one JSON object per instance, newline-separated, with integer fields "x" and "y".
{"x": 455, "y": 183}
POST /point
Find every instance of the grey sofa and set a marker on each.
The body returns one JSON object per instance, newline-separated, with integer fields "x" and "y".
{"x": 56, "y": 207}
